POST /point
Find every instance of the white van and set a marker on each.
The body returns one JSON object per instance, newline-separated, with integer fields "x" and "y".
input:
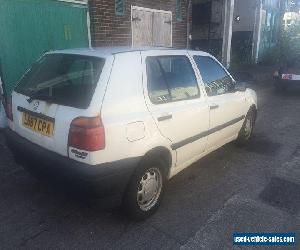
{"x": 126, "y": 120}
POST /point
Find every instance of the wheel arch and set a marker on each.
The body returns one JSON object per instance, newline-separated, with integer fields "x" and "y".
{"x": 162, "y": 153}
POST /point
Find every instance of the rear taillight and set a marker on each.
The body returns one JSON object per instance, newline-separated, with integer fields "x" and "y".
{"x": 287, "y": 76}
{"x": 8, "y": 109}
{"x": 87, "y": 134}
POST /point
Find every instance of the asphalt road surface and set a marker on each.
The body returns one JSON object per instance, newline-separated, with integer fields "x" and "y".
{"x": 251, "y": 189}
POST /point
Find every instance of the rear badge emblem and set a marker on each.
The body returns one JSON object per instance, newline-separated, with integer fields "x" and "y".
{"x": 36, "y": 105}
{"x": 79, "y": 154}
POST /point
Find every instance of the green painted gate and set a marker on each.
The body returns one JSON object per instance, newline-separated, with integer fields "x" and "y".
{"x": 29, "y": 28}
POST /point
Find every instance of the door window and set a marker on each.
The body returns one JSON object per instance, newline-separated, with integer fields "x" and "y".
{"x": 171, "y": 78}
{"x": 215, "y": 78}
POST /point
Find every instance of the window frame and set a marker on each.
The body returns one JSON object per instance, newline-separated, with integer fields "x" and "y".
{"x": 167, "y": 85}
{"x": 218, "y": 63}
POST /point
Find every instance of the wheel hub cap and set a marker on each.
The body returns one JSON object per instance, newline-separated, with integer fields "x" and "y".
{"x": 149, "y": 189}
{"x": 248, "y": 127}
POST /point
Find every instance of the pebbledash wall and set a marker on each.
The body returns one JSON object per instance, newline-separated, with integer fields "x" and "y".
{"x": 111, "y": 20}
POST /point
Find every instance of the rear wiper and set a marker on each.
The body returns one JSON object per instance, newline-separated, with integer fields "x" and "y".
{"x": 40, "y": 96}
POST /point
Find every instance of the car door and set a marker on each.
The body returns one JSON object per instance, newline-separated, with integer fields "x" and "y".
{"x": 176, "y": 102}
{"x": 227, "y": 106}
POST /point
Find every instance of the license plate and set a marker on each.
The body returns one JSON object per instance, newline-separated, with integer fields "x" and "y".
{"x": 38, "y": 125}
{"x": 287, "y": 76}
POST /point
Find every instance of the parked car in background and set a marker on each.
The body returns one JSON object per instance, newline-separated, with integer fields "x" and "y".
{"x": 288, "y": 75}
{"x": 126, "y": 120}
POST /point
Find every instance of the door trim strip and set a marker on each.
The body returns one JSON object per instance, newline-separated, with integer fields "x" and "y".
{"x": 205, "y": 133}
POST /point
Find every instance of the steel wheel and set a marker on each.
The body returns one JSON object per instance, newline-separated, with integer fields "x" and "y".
{"x": 145, "y": 190}
{"x": 149, "y": 189}
{"x": 248, "y": 127}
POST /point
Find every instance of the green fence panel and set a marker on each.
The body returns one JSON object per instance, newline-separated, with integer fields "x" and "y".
{"x": 29, "y": 28}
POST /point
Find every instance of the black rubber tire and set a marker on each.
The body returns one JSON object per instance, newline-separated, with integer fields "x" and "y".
{"x": 243, "y": 138}
{"x": 130, "y": 204}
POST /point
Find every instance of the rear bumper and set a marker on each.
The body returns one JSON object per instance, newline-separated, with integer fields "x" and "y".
{"x": 286, "y": 83}
{"x": 104, "y": 179}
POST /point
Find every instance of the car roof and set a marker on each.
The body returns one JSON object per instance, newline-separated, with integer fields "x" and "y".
{"x": 109, "y": 51}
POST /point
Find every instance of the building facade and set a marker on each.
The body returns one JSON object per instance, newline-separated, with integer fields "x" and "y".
{"x": 208, "y": 25}
{"x": 237, "y": 31}
{"x": 139, "y": 23}
{"x": 32, "y": 27}
{"x": 225, "y": 28}
{"x": 256, "y": 28}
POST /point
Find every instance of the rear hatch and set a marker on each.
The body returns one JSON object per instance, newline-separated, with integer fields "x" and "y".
{"x": 57, "y": 89}
{"x": 292, "y": 67}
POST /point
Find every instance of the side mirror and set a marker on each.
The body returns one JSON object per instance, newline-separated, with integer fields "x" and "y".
{"x": 208, "y": 90}
{"x": 241, "y": 86}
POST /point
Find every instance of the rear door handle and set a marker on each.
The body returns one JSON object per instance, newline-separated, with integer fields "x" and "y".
{"x": 214, "y": 106}
{"x": 164, "y": 117}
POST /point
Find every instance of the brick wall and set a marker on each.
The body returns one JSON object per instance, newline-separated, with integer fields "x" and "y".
{"x": 108, "y": 29}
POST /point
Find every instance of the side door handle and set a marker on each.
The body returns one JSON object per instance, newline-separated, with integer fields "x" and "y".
{"x": 164, "y": 118}
{"x": 213, "y": 106}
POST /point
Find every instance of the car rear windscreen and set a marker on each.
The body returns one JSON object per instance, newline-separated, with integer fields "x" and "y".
{"x": 64, "y": 79}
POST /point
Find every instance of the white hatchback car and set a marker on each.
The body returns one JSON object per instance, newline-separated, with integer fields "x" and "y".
{"x": 126, "y": 120}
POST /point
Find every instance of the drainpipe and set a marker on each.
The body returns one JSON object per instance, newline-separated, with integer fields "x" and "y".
{"x": 227, "y": 32}
{"x": 188, "y": 26}
{"x": 88, "y": 23}
{"x": 256, "y": 31}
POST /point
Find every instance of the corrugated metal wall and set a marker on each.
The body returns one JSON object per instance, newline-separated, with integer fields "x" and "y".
{"x": 28, "y": 28}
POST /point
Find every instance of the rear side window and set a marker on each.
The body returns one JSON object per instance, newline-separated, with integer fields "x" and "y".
{"x": 64, "y": 79}
{"x": 171, "y": 78}
{"x": 215, "y": 78}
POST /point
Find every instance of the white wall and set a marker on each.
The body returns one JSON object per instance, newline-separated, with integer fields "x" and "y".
{"x": 246, "y": 10}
